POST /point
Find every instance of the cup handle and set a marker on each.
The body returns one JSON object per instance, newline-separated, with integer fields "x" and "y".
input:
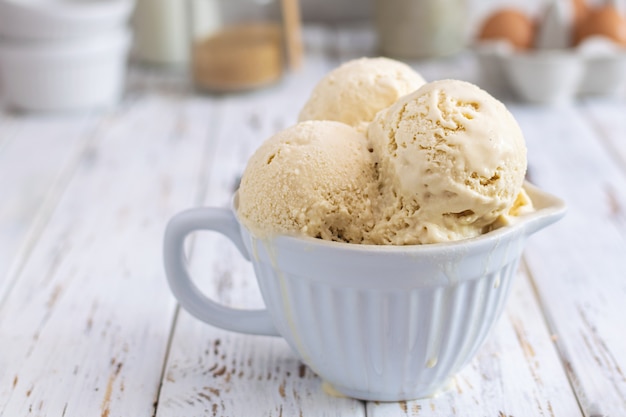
{"x": 190, "y": 297}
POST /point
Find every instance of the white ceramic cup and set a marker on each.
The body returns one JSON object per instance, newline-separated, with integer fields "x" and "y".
{"x": 382, "y": 323}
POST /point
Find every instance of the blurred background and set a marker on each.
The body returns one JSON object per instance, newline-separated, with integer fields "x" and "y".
{"x": 71, "y": 54}
{"x": 363, "y": 10}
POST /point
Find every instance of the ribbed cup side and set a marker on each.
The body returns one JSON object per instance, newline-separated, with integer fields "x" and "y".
{"x": 385, "y": 345}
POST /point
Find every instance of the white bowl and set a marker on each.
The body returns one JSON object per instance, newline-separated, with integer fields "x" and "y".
{"x": 393, "y": 323}
{"x": 380, "y": 323}
{"x": 56, "y": 19}
{"x": 67, "y": 75}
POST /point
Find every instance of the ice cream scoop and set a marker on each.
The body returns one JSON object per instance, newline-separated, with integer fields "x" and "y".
{"x": 316, "y": 179}
{"x": 451, "y": 160}
{"x": 354, "y": 92}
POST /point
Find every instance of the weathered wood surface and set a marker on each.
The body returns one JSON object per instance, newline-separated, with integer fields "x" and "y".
{"x": 37, "y": 157}
{"x": 88, "y": 325}
{"x": 84, "y": 329}
{"x": 579, "y": 267}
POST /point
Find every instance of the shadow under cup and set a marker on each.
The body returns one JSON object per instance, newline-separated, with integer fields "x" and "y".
{"x": 384, "y": 323}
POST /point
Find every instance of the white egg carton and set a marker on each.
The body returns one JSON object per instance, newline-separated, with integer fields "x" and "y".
{"x": 597, "y": 67}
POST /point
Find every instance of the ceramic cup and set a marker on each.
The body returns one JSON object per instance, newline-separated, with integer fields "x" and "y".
{"x": 383, "y": 323}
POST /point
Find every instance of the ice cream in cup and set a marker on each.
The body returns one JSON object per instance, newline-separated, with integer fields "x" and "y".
{"x": 383, "y": 256}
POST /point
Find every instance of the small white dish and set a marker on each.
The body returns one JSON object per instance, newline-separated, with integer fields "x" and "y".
{"x": 65, "y": 75}
{"x": 57, "y": 19}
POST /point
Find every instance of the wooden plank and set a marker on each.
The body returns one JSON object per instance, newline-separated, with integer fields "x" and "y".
{"x": 86, "y": 327}
{"x": 214, "y": 372}
{"x": 9, "y": 127}
{"x": 37, "y": 157}
{"x": 578, "y": 265}
{"x": 608, "y": 121}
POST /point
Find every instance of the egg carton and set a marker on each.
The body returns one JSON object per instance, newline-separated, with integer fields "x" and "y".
{"x": 597, "y": 67}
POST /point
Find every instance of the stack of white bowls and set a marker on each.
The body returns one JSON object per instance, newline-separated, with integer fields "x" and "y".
{"x": 63, "y": 54}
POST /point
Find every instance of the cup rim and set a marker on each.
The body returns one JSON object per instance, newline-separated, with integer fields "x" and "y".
{"x": 548, "y": 209}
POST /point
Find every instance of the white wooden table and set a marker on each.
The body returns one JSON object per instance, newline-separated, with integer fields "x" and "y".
{"x": 88, "y": 326}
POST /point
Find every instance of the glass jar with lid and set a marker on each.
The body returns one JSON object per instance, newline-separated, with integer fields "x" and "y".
{"x": 236, "y": 44}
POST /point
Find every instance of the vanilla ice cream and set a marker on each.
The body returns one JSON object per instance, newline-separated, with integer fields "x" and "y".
{"x": 354, "y": 92}
{"x": 451, "y": 161}
{"x": 316, "y": 178}
{"x": 438, "y": 162}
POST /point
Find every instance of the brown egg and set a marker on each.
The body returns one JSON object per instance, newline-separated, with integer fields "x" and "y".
{"x": 581, "y": 10}
{"x": 604, "y": 21}
{"x": 511, "y": 25}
